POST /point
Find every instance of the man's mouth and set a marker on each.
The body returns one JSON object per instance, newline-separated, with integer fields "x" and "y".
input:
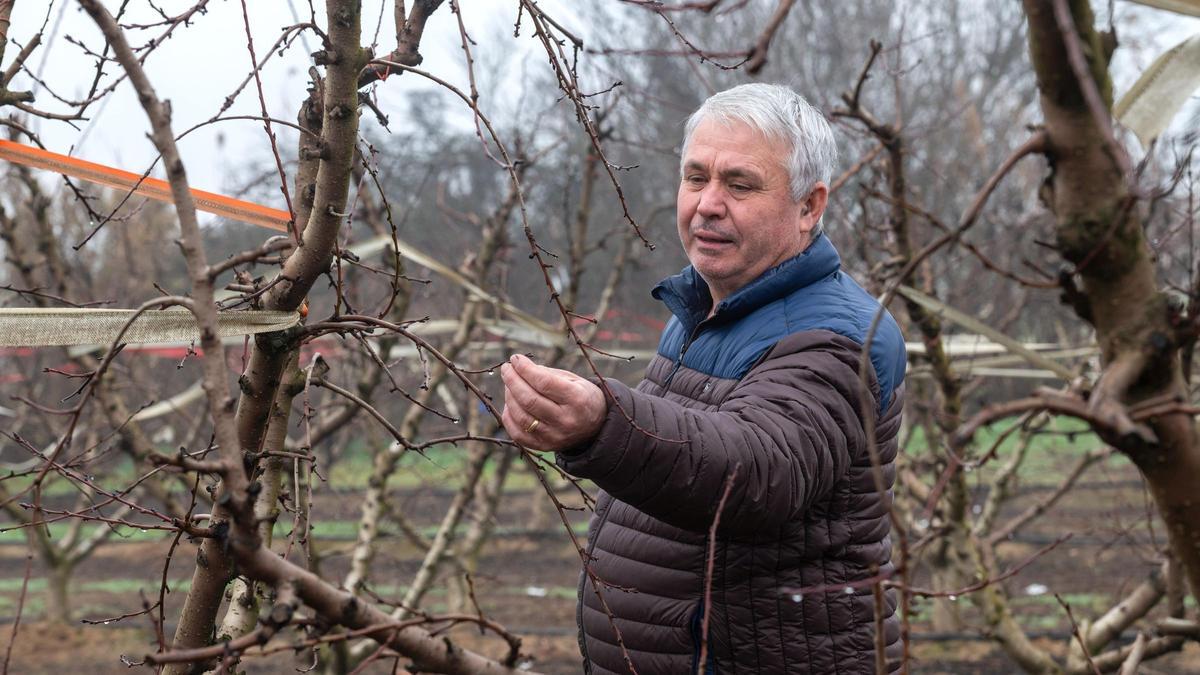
{"x": 709, "y": 239}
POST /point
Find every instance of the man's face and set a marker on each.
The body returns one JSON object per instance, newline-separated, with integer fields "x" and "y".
{"x": 735, "y": 211}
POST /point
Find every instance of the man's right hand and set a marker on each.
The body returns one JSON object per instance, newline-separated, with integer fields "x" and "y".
{"x": 547, "y": 408}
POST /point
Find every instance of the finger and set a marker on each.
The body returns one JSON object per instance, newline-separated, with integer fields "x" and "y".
{"x": 531, "y": 401}
{"x": 515, "y": 423}
{"x": 511, "y": 425}
{"x": 539, "y": 378}
{"x": 556, "y": 385}
{"x": 521, "y": 417}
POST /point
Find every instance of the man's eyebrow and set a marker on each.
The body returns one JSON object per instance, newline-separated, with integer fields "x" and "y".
{"x": 733, "y": 172}
{"x": 737, "y": 172}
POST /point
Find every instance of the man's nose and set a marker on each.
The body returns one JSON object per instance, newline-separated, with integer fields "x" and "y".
{"x": 712, "y": 201}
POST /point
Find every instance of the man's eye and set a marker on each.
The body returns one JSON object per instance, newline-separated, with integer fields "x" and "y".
{"x": 695, "y": 180}
{"x": 738, "y": 187}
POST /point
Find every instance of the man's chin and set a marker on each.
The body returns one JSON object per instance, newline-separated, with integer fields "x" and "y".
{"x": 715, "y": 275}
{"x": 707, "y": 269}
{"x": 715, "y": 260}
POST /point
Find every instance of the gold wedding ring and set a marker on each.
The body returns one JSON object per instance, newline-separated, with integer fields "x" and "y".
{"x": 532, "y": 426}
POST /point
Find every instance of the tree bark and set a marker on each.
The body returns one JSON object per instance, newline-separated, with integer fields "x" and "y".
{"x": 58, "y": 591}
{"x": 327, "y": 195}
{"x": 1098, "y": 230}
{"x": 242, "y": 612}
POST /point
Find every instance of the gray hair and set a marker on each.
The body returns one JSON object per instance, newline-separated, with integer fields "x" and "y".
{"x": 779, "y": 114}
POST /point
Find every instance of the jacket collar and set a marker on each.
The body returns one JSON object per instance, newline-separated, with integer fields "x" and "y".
{"x": 687, "y": 296}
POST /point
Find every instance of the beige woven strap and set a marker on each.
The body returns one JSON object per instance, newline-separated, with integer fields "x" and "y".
{"x": 1162, "y": 90}
{"x": 1191, "y": 7}
{"x": 58, "y": 327}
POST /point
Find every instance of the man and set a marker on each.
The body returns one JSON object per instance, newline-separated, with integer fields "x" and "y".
{"x": 756, "y": 377}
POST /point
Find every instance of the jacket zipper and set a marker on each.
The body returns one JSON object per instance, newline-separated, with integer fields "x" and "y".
{"x": 682, "y": 351}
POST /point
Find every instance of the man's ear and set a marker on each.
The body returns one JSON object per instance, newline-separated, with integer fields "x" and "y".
{"x": 813, "y": 206}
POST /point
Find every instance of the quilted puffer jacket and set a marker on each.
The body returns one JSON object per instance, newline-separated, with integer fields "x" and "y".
{"x": 768, "y": 385}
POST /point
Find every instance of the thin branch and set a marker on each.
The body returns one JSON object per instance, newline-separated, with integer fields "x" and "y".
{"x": 710, "y": 559}
{"x": 758, "y": 55}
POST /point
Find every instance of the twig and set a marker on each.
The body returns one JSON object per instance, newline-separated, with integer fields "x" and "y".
{"x": 272, "y": 245}
{"x": 980, "y": 585}
{"x": 20, "y": 608}
{"x": 121, "y": 617}
{"x": 758, "y": 55}
{"x": 1036, "y": 509}
{"x": 853, "y": 171}
{"x": 262, "y": 101}
{"x": 1087, "y": 654}
{"x": 708, "y": 568}
{"x": 370, "y": 409}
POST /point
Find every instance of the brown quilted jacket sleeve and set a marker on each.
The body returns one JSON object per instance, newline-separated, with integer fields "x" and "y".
{"x": 792, "y": 423}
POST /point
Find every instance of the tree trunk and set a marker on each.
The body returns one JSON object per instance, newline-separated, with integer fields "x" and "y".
{"x": 1098, "y": 230}
{"x": 242, "y": 613}
{"x": 322, "y": 186}
{"x": 58, "y": 592}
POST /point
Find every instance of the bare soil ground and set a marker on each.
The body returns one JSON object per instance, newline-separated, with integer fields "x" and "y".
{"x": 530, "y": 571}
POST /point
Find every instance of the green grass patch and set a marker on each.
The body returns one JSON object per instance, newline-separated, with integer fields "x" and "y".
{"x": 13, "y": 534}
{"x": 1052, "y": 451}
{"x": 443, "y": 464}
{"x": 123, "y": 586}
{"x": 324, "y": 529}
{"x": 13, "y": 585}
{"x": 35, "y": 605}
{"x": 10, "y": 588}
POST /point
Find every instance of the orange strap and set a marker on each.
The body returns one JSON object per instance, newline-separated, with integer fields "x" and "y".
{"x": 153, "y": 188}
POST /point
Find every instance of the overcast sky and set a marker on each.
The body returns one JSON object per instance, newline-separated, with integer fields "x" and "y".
{"x": 204, "y": 62}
